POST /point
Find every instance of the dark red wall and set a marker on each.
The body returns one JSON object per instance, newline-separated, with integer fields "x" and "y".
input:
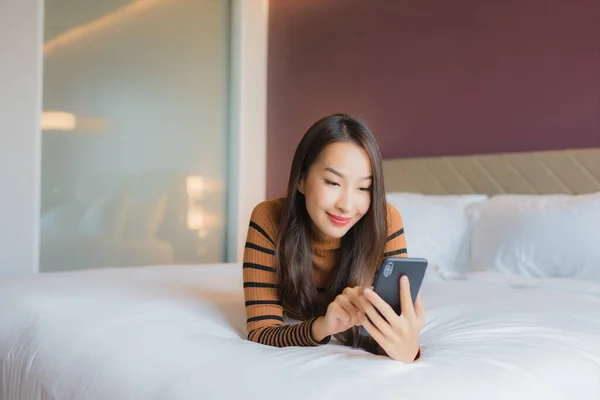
{"x": 435, "y": 77}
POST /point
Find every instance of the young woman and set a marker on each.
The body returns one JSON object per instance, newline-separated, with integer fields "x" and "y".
{"x": 313, "y": 254}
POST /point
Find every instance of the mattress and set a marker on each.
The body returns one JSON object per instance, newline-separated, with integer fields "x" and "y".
{"x": 177, "y": 332}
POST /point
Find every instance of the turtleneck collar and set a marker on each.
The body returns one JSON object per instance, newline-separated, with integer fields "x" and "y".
{"x": 323, "y": 243}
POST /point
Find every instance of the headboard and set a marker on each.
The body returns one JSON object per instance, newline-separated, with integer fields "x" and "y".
{"x": 541, "y": 172}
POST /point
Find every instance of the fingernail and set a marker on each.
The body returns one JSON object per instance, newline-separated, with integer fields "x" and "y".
{"x": 404, "y": 278}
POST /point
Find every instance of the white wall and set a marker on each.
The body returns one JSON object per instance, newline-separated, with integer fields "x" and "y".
{"x": 20, "y": 104}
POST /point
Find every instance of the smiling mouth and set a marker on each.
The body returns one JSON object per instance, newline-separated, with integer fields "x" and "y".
{"x": 338, "y": 221}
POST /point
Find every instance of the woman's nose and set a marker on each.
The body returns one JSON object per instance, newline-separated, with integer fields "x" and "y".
{"x": 344, "y": 203}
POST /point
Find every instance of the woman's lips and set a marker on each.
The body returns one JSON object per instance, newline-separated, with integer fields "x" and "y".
{"x": 338, "y": 221}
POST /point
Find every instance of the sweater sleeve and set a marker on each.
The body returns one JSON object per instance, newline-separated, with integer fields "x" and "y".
{"x": 264, "y": 310}
{"x": 396, "y": 242}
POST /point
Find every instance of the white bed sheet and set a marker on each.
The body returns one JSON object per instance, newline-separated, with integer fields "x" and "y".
{"x": 176, "y": 332}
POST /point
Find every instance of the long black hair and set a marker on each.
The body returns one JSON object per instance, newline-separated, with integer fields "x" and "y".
{"x": 362, "y": 246}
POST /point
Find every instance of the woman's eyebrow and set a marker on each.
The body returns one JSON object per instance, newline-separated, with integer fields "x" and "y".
{"x": 333, "y": 171}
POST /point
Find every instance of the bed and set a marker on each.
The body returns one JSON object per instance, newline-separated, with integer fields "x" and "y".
{"x": 509, "y": 314}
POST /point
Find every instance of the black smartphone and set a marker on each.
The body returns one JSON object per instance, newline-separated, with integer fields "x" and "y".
{"x": 387, "y": 280}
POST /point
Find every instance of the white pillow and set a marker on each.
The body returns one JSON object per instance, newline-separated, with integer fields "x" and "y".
{"x": 537, "y": 235}
{"x": 435, "y": 228}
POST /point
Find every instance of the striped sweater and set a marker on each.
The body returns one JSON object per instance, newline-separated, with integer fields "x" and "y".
{"x": 264, "y": 311}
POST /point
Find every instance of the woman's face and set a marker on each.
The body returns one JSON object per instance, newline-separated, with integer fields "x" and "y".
{"x": 337, "y": 189}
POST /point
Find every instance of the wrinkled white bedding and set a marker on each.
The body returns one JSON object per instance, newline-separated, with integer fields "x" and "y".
{"x": 176, "y": 332}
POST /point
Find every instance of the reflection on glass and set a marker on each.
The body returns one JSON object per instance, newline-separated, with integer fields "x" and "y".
{"x": 134, "y": 133}
{"x": 58, "y": 121}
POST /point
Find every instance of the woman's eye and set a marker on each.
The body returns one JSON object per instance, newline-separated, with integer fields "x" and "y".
{"x": 328, "y": 182}
{"x": 365, "y": 189}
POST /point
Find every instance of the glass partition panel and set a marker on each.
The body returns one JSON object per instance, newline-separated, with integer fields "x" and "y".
{"x": 134, "y": 133}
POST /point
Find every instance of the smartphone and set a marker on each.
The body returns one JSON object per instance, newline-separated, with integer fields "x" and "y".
{"x": 387, "y": 281}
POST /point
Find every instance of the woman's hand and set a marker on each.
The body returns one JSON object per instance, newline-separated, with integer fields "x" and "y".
{"x": 342, "y": 314}
{"x": 398, "y": 335}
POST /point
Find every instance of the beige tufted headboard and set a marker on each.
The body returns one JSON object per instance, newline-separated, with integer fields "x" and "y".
{"x": 543, "y": 172}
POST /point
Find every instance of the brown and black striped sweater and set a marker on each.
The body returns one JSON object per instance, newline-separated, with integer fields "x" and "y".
{"x": 264, "y": 311}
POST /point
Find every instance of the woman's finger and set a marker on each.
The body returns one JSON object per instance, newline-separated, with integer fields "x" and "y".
{"x": 419, "y": 307}
{"x": 338, "y": 312}
{"x": 384, "y": 308}
{"x": 374, "y": 332}
{"x": 406, "y": 304}
{"x": 354, "y": 297}
{"x": 349, "y": 308}
{"x": 376, "y": 318}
